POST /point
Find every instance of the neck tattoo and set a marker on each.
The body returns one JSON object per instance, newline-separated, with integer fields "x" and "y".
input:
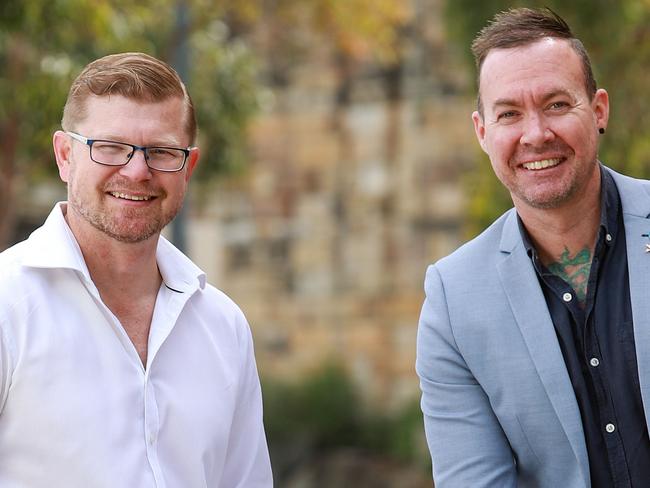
{"x": 574, "y": 270}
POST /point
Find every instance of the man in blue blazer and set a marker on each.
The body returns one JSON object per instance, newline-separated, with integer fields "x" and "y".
{"x": 534, "y": 340}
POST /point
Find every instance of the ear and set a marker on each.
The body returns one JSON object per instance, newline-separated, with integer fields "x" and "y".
{"x": 600, "y": 106}
{"x": 192, "y": 159}
{"x": 62, "y": 149}
{"x": 479, "y": 129}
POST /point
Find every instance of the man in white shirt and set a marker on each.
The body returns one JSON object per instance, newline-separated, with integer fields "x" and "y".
{"x": 119, "y": 365}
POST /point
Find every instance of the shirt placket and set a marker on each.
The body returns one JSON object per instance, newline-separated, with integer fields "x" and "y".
{"x": 596, "y": 366}
{"x": 152, "y": 429}
{"x": 606, "y": 412}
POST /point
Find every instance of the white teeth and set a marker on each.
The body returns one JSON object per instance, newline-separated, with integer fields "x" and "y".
{"x": 544, "y": 163}
{"x": 129, "y": 197}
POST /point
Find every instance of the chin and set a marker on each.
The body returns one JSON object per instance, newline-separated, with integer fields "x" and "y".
{"x": 548, "y": 202}
{"x": 131, "y": 234}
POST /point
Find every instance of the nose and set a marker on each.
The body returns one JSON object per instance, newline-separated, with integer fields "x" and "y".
{"x": 536, "y": 131}
{"x": 136, "y": 169}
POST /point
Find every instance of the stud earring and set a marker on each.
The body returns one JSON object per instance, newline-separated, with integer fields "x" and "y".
{"x": 601, "y": 130}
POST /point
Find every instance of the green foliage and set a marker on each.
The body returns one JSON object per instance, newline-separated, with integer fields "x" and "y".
{"x": 616, "y": 33}
{"x": 323, "y": 412}
{"x": 358, "y": 29}
{"x": 226, "y": 95}
{"x": 320, "y": 411}
{"x": 399, "y": 435}
{"x": 44, "y": 44}
{"x": 489, "y": 197}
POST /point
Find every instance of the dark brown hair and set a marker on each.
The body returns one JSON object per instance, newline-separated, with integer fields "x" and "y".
{"x": 137, "y": 76}
{"x": 520, "y": 27}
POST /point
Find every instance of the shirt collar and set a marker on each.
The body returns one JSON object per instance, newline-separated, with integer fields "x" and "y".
{"x": 179, "y": 273}
{"x": 53, "y": 245}
{"x": 610, "y": 204}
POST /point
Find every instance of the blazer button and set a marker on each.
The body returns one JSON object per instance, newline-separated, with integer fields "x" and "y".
{"x": 594, "y": 362}
{"x": 567, "y": 297}
{"x": 610, "y": 428}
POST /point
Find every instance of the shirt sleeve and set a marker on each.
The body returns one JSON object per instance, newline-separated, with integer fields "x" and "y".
{"x": 467, "y": 444}
{"x": 247, "y": 462}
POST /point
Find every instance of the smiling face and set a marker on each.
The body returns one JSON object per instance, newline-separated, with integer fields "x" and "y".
{"x": 539, "y": 127}
{"x": 129, "y": 203}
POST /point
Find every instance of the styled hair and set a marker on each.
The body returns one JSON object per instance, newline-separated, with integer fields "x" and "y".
{"x": 523, "y": 26}
{"x": 136, "y": 76}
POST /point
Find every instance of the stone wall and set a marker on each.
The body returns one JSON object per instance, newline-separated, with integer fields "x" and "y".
{"x": 325, "y": 240}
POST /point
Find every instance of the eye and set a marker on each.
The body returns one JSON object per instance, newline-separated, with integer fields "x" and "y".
{"x": 507, "y": 115}
{"x": 160, "y": 152}
{"x": 559, "y": 105}
{"x": 110, "y": 147}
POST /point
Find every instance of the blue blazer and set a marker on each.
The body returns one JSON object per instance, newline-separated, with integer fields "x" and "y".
{"x": 499, "y": 408}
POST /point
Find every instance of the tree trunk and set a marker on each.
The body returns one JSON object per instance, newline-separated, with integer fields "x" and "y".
{"x": 8, "y": 142}
{"x": 392, "y": 150}
{"x": 9, "y": 132}
{"x": 343, "y": 168}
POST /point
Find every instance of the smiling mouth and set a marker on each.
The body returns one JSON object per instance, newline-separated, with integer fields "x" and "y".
{"x": 542, "y": 164}
{"x": 126, "y": 196}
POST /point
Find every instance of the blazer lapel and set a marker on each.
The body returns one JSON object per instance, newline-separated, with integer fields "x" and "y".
{"x": 529, "y": 308}
{"x": 638, "y": 263}
{"x": 635, "y": 201}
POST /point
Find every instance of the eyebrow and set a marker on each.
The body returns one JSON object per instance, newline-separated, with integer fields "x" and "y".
{"x": 115, "y": 138}
{"x": 511, "y": 102}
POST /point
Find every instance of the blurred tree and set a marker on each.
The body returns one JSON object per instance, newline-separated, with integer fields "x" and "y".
{"x": 616, "y": 33}
{"x": 360, "y": 29}
{"x": 307, "y": 419}
{"x": 309, "y": 416}
{"x": 44, "y": 44}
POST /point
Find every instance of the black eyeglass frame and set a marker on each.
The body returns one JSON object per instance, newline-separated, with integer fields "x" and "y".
{"x": 89, "y": 142}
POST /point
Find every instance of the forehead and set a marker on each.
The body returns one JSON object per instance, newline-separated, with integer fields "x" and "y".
{"x": 544, "y": 66}
{"x": 116, "y": 116}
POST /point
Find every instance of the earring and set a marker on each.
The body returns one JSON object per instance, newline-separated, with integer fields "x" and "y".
{"x": 601, "y": 130}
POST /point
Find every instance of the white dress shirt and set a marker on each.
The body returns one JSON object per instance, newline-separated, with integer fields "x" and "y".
{"x": 79, "y": 409}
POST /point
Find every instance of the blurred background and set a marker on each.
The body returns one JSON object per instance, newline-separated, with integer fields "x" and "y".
{"x": 338, "y": 160}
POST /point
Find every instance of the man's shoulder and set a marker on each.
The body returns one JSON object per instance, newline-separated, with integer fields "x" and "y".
{"x": 215, "y": 303}
{"x": 624, "y": 182}
{"x": 11, "y": 261}
{"x": 15, "y": 284}
{"x": 220, "y": 299}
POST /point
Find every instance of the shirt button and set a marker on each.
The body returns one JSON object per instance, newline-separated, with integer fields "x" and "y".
{"x": 608, "y": 237}
{"x": 594, "y": 362}
{"x": 567, "y": 297}
{"x": 610, "y": 428}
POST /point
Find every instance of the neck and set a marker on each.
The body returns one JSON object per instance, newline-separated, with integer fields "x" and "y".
{"x": 565, "y": 239}
{"x": 126, "y": 276}
{"x": 573, "y": 227}
{"x": 118, "y": 268}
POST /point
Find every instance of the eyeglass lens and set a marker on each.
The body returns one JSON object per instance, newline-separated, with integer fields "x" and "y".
{"x": 118, "y": 154}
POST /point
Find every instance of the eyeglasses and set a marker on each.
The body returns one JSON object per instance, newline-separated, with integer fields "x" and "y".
{"x": 113, "y": 153}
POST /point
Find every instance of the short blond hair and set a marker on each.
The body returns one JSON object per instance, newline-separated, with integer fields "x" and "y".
{"x": 137, "y": 76}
